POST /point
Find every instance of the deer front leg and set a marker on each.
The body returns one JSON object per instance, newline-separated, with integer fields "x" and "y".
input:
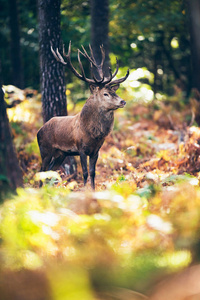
{"x": 83, "y": 157}
{"x": 92, "y": 166}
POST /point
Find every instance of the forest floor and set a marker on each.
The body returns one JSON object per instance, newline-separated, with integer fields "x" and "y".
{"x": 149, "y": 142}
{"x": 141, "y": 223}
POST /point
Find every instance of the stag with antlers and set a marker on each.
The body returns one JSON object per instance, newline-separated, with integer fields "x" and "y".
{"x": 84, "y": 133}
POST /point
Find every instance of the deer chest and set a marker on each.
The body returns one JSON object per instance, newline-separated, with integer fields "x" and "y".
{"x": 101, "y": 127}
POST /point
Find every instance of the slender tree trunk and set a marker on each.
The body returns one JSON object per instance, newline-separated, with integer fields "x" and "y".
{"x": 99, "y": 30}
{"x": 16, "y": 59}
{"x": 10, "y": 172}
{"x": 52, "y": 72}
{"x": 194, "y": 20}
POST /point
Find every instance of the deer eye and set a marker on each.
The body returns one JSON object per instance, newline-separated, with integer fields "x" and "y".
{"x": 106, "y": 95}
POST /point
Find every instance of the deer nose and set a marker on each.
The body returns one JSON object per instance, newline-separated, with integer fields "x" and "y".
{"x": 123, "y": 103}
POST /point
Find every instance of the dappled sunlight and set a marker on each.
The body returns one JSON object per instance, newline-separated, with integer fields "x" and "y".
{"x": 13, "y": 92}
{"x": 175, "y": 260}
{"x": 136, "y": 90}
{"x": 20, "y": 113}
{"x": 26, "y": 108}
{"x": 30, "y": 260}
{"x": 140, "y": 73}
{"x": 48, "y": 218}
{"x": 157, "y": 223}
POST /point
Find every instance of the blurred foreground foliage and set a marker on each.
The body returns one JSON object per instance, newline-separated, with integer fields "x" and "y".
{"x": 65, "y": 242}
{"x": 86, "y": 242}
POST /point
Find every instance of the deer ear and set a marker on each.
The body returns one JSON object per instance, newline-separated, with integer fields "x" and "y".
{"x": 93, "y": 88}
{"x": 115, "y": 87}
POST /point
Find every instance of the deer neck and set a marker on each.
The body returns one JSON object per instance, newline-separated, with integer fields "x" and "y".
{"x": 96, "y": 121}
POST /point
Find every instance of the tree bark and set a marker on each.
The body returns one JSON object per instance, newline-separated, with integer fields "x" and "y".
{"x": 54, "y": 102}
{"x": 99, "y": 30}
{"x": 10, "y": 172}
{"x": 16, "y": 59}
{"x": 194, "y": 21}
{"x": 52, "y": 72}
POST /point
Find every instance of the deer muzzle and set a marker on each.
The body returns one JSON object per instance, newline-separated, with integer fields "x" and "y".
{"x": 122, "y": 103}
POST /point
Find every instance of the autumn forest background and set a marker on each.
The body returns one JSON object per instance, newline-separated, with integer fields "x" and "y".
{"x": 142, "y": 223}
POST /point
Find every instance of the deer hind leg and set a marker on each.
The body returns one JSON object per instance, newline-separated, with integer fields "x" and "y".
{"x": 46, "y": 156}
{"x": 46, "y": 159}
{"x": 45, "y": 164}
{"x": 56, "y": 162}
{"x": 92, "y": 167}
{"x": 83, "y": 158}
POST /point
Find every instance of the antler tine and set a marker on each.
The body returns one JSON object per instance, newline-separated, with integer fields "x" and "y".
{"x": 82, "y": 53}
{"x": 100, "y": 66}
{"x": 110, "y": 77}
{"x": 92, "y": 60}
{"x": 117, "y": 68}
{"x": 81, "y": 66}
{"x": 91, "y": 51}
{"x": 57, "y": 56}
{"x": 114, "y": 74}
{"x": 54, "y": 54}
{"x": 83, "y": 73}
{"x": 94, "y": 63}
{"x": 95, "y": 79}
{"x": 60, "y": 57}
{"x": 69, "y": 51}
{"x": 102, "y": 55}
{"x": 120, "y": 80}
{"x": 68, "y": 54}
{"x": 82, "y": 77}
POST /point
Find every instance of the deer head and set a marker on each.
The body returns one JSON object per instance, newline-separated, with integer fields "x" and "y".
{"x": 103, "y": 88}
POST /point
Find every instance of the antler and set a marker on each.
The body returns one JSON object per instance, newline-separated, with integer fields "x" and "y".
{"x": 120, "y": 80}
{"x": 93, "y": 64}
{"x": 60, "y": 59}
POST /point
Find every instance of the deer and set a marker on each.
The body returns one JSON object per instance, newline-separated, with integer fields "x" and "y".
{"x": 84, "y": 133}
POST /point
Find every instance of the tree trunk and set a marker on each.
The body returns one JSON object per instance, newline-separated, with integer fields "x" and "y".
{"x": 194, "y": 20}
{"x": 52, "y": 72}
{"x": 99, "y": 30}
{"x": 16, "y": 59}
{"x": 10, "y": 172}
